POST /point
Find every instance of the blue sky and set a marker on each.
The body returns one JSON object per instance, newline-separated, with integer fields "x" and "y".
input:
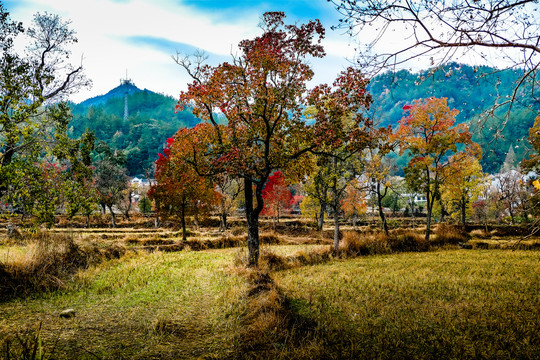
{"x": 140, "y": 36}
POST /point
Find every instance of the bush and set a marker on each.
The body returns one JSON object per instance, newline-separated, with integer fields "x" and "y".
{"x": 357, "y": 244}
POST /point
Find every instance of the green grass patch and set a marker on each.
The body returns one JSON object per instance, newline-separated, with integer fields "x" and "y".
{"x": 166, "y": 305}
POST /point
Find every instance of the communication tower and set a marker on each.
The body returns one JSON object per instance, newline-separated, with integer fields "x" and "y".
{"x": 126, "y": 84}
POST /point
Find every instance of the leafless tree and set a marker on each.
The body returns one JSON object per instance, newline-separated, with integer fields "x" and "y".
{"x": 506, "y": 31}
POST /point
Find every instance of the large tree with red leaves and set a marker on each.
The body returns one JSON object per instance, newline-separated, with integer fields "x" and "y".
{"x": 179, "y": 190}
{"x": 260, "y": 93}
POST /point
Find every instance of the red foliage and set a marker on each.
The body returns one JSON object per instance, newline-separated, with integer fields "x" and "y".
{"x": 276, "y": 194}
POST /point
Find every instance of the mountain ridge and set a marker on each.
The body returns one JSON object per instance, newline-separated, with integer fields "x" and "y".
{"x": 125, "y": 87}
{"x": 471, "y": 90}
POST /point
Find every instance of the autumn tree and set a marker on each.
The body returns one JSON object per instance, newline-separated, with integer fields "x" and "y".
{"x": 429, "y": 135}
{"x": 260, "y": 94}
{"x": 179, "y": 190}
{"x": 463, "y": 184}
{"x": 316, "y": 186}
{"x": 532, "y": 162}
{"x": 276, "y": 195}
{"x": 378, "y": 169}
{"x": 354, "y": 202}
{"x": 344, "y": 131}
{"x": 228, "y": 190}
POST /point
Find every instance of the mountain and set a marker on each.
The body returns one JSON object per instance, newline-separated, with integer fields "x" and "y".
{"x": 152, "y": 119}
{"x": 471, "y": 90}
{"x": 125, "y": 87}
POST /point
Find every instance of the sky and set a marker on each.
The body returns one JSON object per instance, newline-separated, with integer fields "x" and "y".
{"x": 137, "y": 38}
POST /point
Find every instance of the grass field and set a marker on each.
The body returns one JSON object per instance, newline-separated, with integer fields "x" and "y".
{"x": 443, "y": 304}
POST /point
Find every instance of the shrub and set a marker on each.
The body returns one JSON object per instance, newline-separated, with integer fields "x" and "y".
{"x": 51, "y": 260}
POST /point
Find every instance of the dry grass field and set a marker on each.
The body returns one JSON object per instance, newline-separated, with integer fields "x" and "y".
{"x": 142, "y": 293}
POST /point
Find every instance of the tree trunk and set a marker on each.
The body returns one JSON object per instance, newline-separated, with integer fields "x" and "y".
{"x": 336, "y": 231}
{"x": 9, "y": 151}
{"x": 381, "y": 212}
{"x": 429, "y": 207}
{"x": 430, "y": 198}
{"x": 223, "y": 214}
{"x": 463, "y": 210}
{"x": 511, "y": 211}
{"x": 252, "y": 218}
{"x": 183, "y": 220}
{"x": 87, "y": 221}
{"x": 113, "y": 216}
{"x": 335, "y": 207}
{"x": 128, "y": 208}
{"x": 321, "y": 218}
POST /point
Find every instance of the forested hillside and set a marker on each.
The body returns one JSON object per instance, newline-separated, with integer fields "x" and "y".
{"x": 151, "y": 121}
{"x": 471, "y": 90}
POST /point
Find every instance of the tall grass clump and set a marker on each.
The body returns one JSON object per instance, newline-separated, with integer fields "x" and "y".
{"x": 50, "y": 261}
{"x": 449, "y": 234}
{"x": 407, "y": 241}
{"x": 358, "y": 244}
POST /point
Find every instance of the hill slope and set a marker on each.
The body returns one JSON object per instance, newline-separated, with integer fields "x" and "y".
{"x": 470, "y": 90}
{"x": 126, "y": 87}
{"x": 152, "y": 119}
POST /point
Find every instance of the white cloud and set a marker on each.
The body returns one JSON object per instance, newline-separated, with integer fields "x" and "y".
{"x": 104, "y": 27}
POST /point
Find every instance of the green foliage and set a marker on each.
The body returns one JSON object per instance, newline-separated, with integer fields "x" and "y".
{"x": 110, "y": 176}
{"x": 141, "y": 136}
{"x": 471, "y": 90}
{"x": 145, "y": 205}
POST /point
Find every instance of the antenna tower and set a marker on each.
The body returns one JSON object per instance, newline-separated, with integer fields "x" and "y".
{"x": 126, "y": 82}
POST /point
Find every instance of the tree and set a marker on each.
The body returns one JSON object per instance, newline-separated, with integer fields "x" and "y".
{"x": 310, "y": 209}
{"x": 439, "y": 29}
{"x": 36, "y": 190}
{"x": 378, "y": 167}
{"x": 443, "y": 31}
{"x": 344, "y": 131}
{"x": 228, "y": 190}
{"x": 179, "y": 190}
{"x": 508, "y": 190}
{"x": 429, "y": 134}
{"x": 317, "y": 187}
{"x": 463, "y": 185}
{"x": 510, "y": 160}
{"x": 260, "y": 94}
{"x": 31, "y": 83}
{"x": 110, "y": 177}
{"x": 532, "y": 162}
{"x": 276, "y": 195}
{"x": 354, "y": 202}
